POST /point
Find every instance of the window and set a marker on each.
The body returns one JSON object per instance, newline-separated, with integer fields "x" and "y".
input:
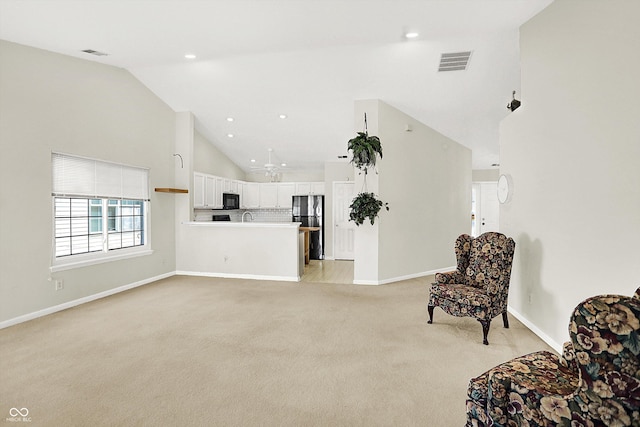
{"x": 100, "y": 210}
{"x": 85, "y": 225}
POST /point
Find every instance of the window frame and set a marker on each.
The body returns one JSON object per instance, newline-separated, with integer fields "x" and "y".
{"x": 66, "y": 262}
{"x": 70, "y": 261}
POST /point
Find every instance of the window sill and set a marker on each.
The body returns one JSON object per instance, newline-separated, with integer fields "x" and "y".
{"x": 96, "y": 259}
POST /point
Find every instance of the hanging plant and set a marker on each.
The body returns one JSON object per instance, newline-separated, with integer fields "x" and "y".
{"x": 365, "y": 150}
{"x": 365, "y": 205}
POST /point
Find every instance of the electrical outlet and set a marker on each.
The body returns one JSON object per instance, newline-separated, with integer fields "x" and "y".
{"x": 59, "y": 284}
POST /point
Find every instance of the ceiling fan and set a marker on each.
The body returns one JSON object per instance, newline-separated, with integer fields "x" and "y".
{"x": 270, "y": 169}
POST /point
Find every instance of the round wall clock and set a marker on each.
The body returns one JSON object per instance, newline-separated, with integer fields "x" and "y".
{"x": 505, "y": 188}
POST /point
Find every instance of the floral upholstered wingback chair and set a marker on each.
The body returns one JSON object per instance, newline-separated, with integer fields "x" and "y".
{"x": 479, "y": 287}
{"x": 596, "y": 381}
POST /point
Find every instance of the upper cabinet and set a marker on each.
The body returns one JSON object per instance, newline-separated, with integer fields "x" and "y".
{"x": 205, "y": 191}
{"x": 231, "y": 186}
{"x": 286, "y": 190}
{"x": 250, "y": 195}
{"x": 198, "y": 190}
{"x": 269, "y": 195}
{"x": 208, "y": 190}
{"x": 306, "y": 188}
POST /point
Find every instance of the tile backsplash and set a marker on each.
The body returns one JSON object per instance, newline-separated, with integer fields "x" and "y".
{"x": 259, "y": 215}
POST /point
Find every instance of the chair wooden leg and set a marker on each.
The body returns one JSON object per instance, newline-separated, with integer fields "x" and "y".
{"x": 430, "y": 310}
{"x": 505, "y": 320}
{"x": 485, "y": 330}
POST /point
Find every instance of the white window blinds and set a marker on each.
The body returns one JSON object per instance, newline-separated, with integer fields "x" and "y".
{"x": 79, "y": 176}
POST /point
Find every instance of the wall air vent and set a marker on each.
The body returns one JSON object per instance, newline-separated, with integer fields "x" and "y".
{"x": 454, "y": 61}
{"x": 95, "y": 52}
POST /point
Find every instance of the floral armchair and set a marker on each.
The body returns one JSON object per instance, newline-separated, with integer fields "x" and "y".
{"x": 596, "y": 381}
{"x": 479, "y": 287}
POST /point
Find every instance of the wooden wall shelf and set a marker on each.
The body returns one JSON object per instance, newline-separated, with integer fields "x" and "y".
{"x": 171, "y": 190}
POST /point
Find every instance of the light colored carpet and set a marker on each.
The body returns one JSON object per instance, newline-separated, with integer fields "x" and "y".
{"x": 195, "y": 351}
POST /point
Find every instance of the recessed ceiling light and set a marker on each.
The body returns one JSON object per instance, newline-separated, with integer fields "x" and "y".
{"x": 229, "y": 119}
{"x": 283, "y": 116}
{"x": 253, "y": 160}
{"x": 190, "y": 56}
{"x": 230, "y": 135}
{"x": 283, "y": 164}
{"x": 411, "y": 35}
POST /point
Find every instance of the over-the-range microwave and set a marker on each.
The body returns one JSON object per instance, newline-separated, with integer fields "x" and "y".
{"x": 230, "y": 201}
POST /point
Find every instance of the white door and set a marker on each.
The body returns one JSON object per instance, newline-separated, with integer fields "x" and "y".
{"x": 489, "y": 212}
{"x": 343, "y": 230}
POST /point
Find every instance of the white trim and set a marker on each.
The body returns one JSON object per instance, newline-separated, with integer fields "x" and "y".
{"x": 401, "y": 278}
{"x": 93, "y": 258}
{"x": 239, "y": 276}
{"x": 89, "y": 298}
{"x": 533, "y": 328}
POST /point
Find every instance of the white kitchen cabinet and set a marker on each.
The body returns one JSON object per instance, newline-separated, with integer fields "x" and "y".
{"x": 198, "y": 190}
{"x": 285, "y": 193}
{"x": 268, "y": 195}
{"x": 251, "y": 195}
{"x": 210, "y": 191}
{"x": 303, "y": 188}
{"x": 219, "y": 190}
{"x": 307, "y": 188}
{"x": 205, "y": 191}
{"x": 317, "y": 188}
{"x": 231, "y": 186}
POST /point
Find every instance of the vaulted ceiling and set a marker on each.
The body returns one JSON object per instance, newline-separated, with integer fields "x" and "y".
{"x": 306, "y": 59}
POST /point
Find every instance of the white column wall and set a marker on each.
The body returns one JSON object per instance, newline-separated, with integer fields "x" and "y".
{"x": 426, "y": 179}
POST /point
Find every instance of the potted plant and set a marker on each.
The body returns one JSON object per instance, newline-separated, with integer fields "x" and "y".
{"x": 365, "y": 205}
{"x": 365, "y": 150}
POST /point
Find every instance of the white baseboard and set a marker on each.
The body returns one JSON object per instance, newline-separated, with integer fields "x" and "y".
{"x": 401, "y": 278}
{"x": 239, "y": 276}
{"x": 89, "y": 298}
{"x": 533, "y": 328}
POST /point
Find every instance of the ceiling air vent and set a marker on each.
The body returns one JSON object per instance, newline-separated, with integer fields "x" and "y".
{"x": 95, "y": 52}
{"x": 454, "y": 61}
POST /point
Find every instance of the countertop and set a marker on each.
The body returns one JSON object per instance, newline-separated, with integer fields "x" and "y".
{"x": 232, "y": 224}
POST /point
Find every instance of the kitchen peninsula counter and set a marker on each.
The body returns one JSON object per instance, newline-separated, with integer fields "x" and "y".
{"x": 250, "y": 250}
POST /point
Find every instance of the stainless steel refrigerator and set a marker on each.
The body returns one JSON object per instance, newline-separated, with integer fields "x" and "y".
{"x": 309, "y": 210}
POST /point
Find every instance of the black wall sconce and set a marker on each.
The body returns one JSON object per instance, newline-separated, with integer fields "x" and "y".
{"x": 514, "y": 103}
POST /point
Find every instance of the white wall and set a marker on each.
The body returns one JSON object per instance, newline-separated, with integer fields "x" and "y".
{"x": 573, "y": 151}
{"x": 208, "y": 159}
{"x": 426, "y": 179}
{"x": 485, "y": 175}
{"x": 51, "y": 102}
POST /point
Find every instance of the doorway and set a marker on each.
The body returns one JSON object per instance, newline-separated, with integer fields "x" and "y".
{"x": 485, "y": 208}
{"x": 343, "y": 229}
